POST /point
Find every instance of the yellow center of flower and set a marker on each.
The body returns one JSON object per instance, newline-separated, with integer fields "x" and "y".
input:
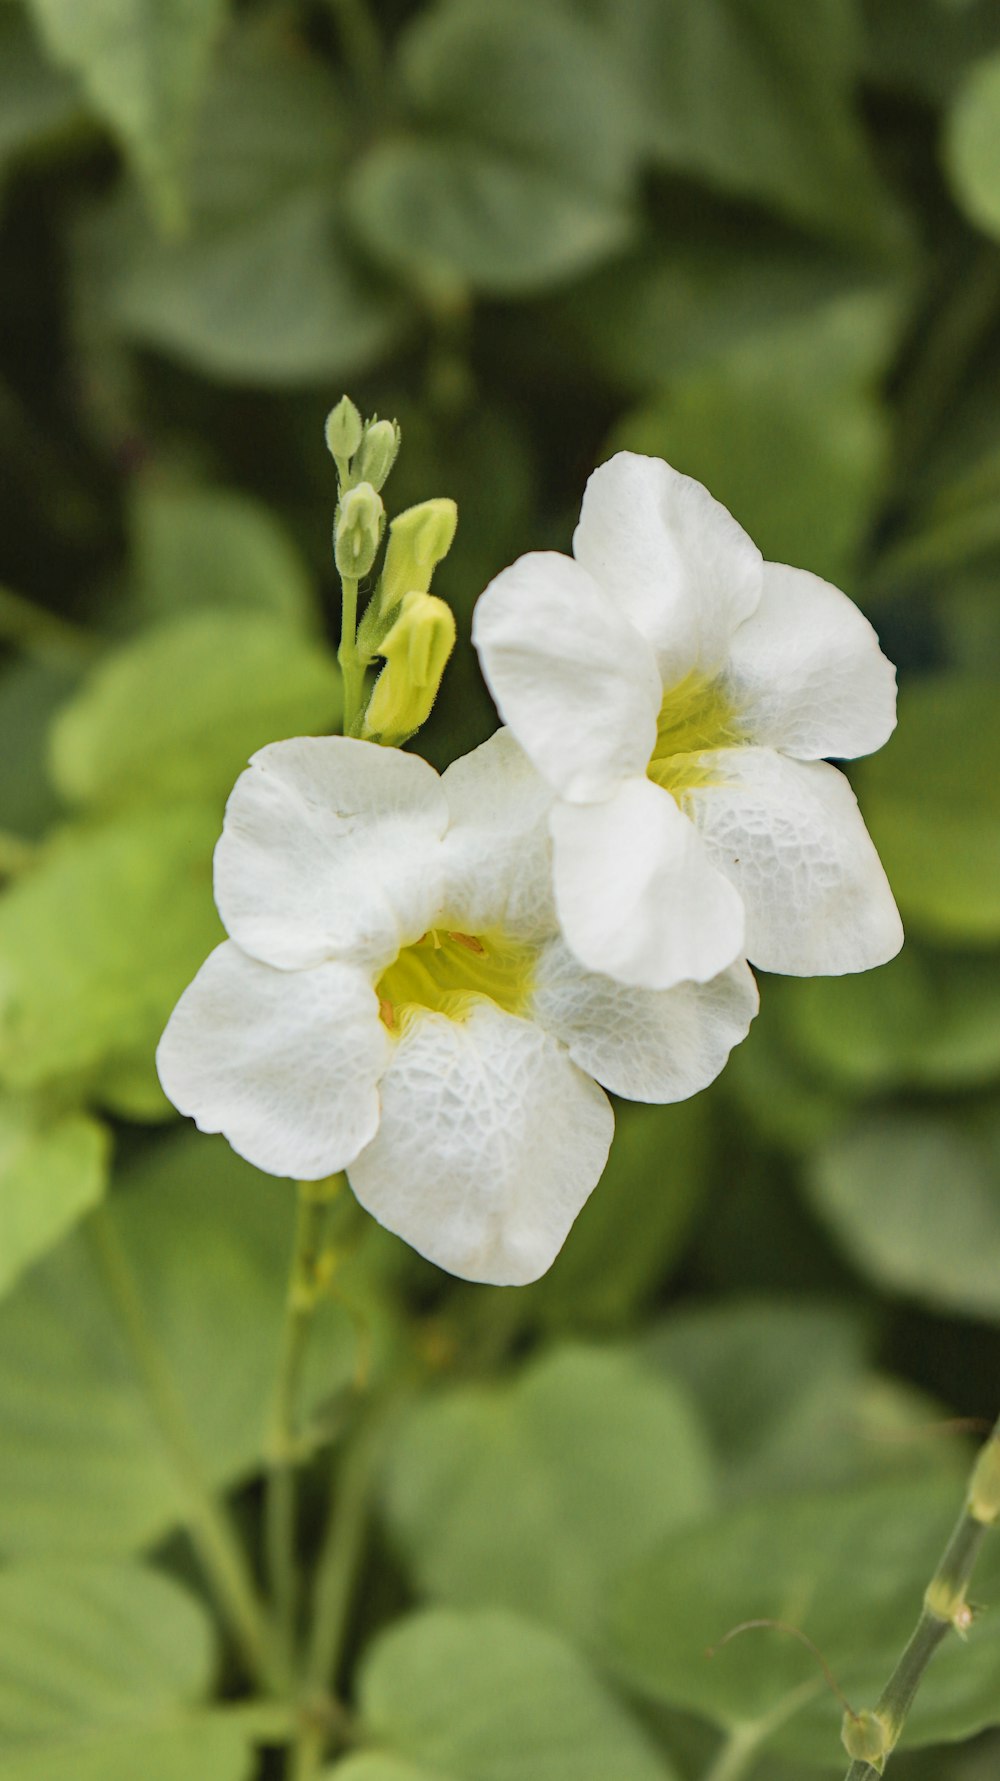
{"x": 448, "y": 972}
{"x": 695, "y": 718}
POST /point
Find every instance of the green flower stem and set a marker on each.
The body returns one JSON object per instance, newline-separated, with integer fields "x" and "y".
{"x": 305, "y": 1287}
{"x": 945, "y": 1607}
{"x": 351, "y": 665}
{"x": 216, "y": 1544}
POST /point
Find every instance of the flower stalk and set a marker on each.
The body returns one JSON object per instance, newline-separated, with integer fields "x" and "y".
{"x": 871, "y": 1736}
{"x": 309, "y": 1278}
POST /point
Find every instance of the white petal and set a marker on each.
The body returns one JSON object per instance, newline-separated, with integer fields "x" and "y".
{"x": 490, "y": 1142}
{"x": 672, "y": 558}
{"x": 497, "y": 852}
{"x": 284, "y": 1063}
{"x": 646, "y": 1044}
{"x": 789, "y": 835}
{"x": 637, "y": 896}
{"x": 806, "y": 674}
{"x": 576, "y": 683}
{"x": 330, "y": 849}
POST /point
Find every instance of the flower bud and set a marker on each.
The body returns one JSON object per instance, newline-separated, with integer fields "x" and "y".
{"x": 343, "y": 430}
{"x": 358, "y": 531}
{"x": 984, "y": 1491}
{"x": 416, "y": 652}
{"x": 419, "y": 540}
{"x": 867, "y": 1738}
{"x": 377, "y": 453}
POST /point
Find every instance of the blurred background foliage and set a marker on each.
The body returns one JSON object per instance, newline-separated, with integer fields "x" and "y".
{"x": 761, "y": 239}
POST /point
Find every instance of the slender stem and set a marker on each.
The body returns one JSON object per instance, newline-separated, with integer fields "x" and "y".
{"x": 945, "y": 1607}
{"x": 736, "y": 1755}
{"x": 343, "y": 1546}
{"x": 218, "y": 1549}
{"x": 351, "y": 666}
{"x": 306, "y": 1283}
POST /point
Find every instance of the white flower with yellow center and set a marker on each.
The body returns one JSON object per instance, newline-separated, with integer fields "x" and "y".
{"x": 395, "y": 1001}
{"x": 680, "y": 695}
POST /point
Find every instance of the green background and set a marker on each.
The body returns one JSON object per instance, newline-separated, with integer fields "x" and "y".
{"x": 760, "y": 238}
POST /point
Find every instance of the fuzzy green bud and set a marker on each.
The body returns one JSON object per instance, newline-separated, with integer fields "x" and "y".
{"x": 344, "y": 430}
{"x": 357, "y": 531}
{"x": 419, "y": 540}
{"x": 867, "y": 1738}
{"x": 416, "y": 652}
{"x": 377, "y": 453}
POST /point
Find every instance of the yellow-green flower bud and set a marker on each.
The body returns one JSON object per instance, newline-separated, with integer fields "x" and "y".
{"x": 419, "y": 540}
{"x": 377, "y": 453}
{"x": 984, "y": 1491}
{"x": 866, "y": 1738}
{"x": 416, "y": 652}
{"x": 358, "y": 531}
{"x": 344, "y": 430}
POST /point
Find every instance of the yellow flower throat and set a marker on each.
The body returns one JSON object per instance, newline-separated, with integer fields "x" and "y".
{"x": 695, "y": 718}
{"x": 448, "y": 972}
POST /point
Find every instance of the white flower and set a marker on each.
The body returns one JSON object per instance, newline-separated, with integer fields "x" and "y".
{"x": 395, "y": 1001}
{"x": 679, "y": 695}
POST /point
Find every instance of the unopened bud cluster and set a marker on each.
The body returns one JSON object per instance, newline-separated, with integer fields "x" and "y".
{"x": 411, "y": 629}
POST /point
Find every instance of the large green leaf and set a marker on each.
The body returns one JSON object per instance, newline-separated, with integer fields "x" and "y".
{"x": 85, "y": 1469}
{"x": 36, "y": 100}
{"x": 143, "y": 69}
{"x": 849, "y": 1571}
{"x": 102, "y": 1674}
{"x": 972, "y": 145}
{"x": 786, "y": 430}
{"x": 809, "y": 1412}
{"x": 99, "y": 938}
{"x": 488, "y": 1697}
{"x": 177, "y": 713}
{"x": 927, "y": 1019}
{"x": 573, "y": 1469}
{"x": 755, "y": 95}
{"x": 932, "y": 802}
{"x": 53, "y": 1168}
{"x": 264, "y": 286}
{"x": 521, "y": 175}
{"x": 915, "y": 1202}
{"x": 209, "y": 547}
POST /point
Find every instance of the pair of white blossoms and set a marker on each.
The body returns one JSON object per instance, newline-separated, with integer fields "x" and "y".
{"x": 428, "y": 977}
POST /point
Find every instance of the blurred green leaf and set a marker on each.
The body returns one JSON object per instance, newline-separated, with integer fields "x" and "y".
{"x": 755, "y": 95}
{"x": 98, "y": 940}
{"x": 808, "y": 1412}
{"x": 208, "y": 547}
{"x": 53, "y": 1168}
{"x": 520, "y": 171}
{"x": 143, "y": 68}
{"x": 264, "y": 286}
{"x": 574, "y": 1469}
{"x": 489, "y": 1697}
{"x": 177, "y": 713}
{"x": 103, "y": 1672}
{"x": 925, "y": 46}
{"x": 928, "y": 1019}
{"x": 30, "y": 692}
{"x": 915, "y": 1202}
{"x": 36, "y": 100}
{"x": 932, "y": 802}
{"x": 972, "y": 145}
{"x": 631, "y": 1231}
{"x": 787, "y": 431}
{"x": 85, "y": 1471}
{"x": 662, "y": 311}
{"x": 849, "y": 1571}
